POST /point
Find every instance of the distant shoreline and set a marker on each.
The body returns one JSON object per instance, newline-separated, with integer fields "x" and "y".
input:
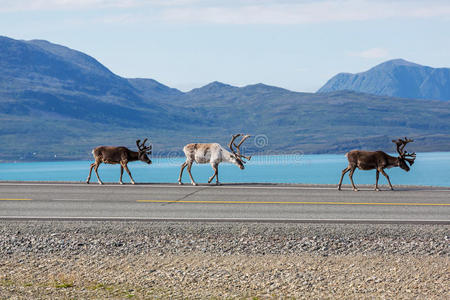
{"x": 363, "y": 187}
{"x": 180, "y": 157}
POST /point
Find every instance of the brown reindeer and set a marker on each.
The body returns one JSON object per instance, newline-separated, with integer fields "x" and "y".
{"x": 378, "y": 160}
{"x": 214, "y": 154}
{"x": 119, "y": 155}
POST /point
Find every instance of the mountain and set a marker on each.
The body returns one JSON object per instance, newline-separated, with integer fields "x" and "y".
{"x": 152, "y": 89}
{"x": 40, "y": 66}
{"x": 324, "y": 123}
{"x": 38, "y": 77}
{"x": 397, "y": 78}
{"x": 57, "y": 104}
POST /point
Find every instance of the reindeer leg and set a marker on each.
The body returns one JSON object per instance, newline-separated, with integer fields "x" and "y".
{"x": 376, "y": 181}
{"x": 96, "y": 172}
{"x": 121, "y": 174}
{"x": 212, "y": 177}
{"x": 387, "y": 177}
{"x": 181, "y": 172}
{"x": 351, "y": 178}
{"x": 216, "y": 173}
{"x": 129, "y": 173}
{"x": 343, "y": 173}
{"x": 190, "y": 174}
{"x": 90, "y": 171}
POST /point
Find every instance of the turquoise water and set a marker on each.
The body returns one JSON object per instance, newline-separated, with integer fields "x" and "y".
{"x": 430, "y": 169}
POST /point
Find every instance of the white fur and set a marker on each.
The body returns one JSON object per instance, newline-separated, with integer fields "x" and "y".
{"x": 215, "y": 155}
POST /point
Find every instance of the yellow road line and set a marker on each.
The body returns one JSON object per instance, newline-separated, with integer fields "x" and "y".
{"x": 12, "y": 199}
{"x": 290, "y": 202}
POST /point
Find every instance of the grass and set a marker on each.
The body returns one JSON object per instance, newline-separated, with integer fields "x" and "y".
{"x": 63, "y": 281}
{"x": 64, "y": 285}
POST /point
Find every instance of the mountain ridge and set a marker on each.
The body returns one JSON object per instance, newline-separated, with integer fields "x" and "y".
{"x": 53, "y": 107}
{"x": 396, "y": 78}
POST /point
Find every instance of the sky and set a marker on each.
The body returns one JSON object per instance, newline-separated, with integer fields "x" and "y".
{"x": 185, "y": 44}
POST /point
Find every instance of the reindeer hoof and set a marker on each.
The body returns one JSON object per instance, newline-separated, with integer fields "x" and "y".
{"x": 355, "y": 190}
{"x": 133, "y": 182}
{"x": 194, "y": 184}
{"x": 100, "y": 182}
{"x": 87, "y": 182}
{"x": 180, "y": 183}
{"x": 218, "y": 183}
{"x": 377, "y": 189}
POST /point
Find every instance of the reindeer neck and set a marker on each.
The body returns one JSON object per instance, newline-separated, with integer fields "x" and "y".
{"x": 392, "y": 160}
{"x": 133, "y": 155}
{"x": 227, "y": 156}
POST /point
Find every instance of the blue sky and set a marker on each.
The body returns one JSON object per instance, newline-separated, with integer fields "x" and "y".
{"x": 185, "y": 44}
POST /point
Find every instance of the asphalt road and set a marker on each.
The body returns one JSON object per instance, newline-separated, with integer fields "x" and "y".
{"x": 238, "y": 202}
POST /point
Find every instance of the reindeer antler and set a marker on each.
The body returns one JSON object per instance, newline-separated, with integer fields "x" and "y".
{"x": 231, "y": 144}
{"x": 404, "y": 142}
{"x": 142, "y": 146}
{"x": 401, "y": 143}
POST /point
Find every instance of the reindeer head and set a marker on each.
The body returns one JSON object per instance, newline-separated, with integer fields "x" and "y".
{"x": 238, "y": 157}
{"x": 143, "y": 151}
{"x": 403, "y": 155}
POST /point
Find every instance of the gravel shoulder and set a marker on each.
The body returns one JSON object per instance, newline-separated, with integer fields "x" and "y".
{"x": 68, "y": 259}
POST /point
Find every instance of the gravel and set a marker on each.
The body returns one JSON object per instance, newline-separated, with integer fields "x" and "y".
{"x": 65, "y": 259}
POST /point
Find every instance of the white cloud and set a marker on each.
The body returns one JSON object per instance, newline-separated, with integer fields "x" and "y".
{"x": 43, "y": 5}
{"x": 249, "y": 11}
{"x": 272, "y": 12}
{"x": 31, "y": 5}
{"x": 120, "y": 18}
{"x": 371, "y": 53}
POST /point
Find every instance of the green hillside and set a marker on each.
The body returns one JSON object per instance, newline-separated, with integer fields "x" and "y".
{"x": 57, "y": 104}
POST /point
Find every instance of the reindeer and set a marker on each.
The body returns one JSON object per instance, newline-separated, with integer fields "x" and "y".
{"x": 213, "y": 154}
{"x": 119, "y": 155}
{"x": 379, "y": 161}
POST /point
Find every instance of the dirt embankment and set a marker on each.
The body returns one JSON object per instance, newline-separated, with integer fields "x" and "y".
{"x": 222, "y": 260}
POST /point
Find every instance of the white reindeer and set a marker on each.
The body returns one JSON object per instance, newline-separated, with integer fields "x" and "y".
{"x": 214, "y": 154}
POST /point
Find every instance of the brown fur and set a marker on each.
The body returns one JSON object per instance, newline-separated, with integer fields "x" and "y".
{"x": 118, "y": 155}
{"x": 368, "y": 160}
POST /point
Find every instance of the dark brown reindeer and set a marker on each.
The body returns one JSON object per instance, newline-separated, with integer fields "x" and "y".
{"x": 119, "y": 155}
{"x": 378, "y": 160}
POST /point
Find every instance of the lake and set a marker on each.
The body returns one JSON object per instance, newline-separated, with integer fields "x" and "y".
{"x": 432, "y": 169}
